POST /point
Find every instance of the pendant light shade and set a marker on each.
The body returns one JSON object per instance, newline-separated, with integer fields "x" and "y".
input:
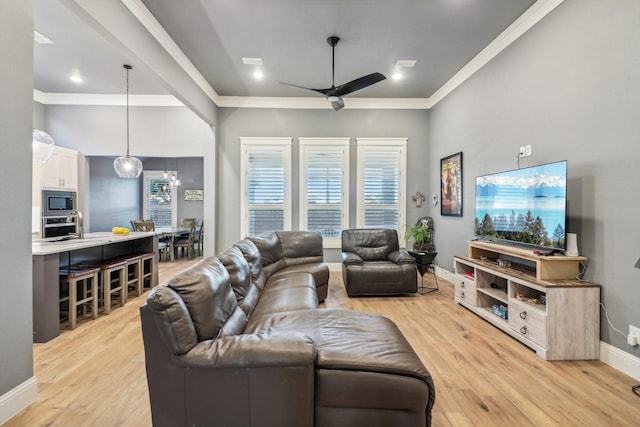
{"x": 127, "y": 166}
{"x": 43, "y": 146}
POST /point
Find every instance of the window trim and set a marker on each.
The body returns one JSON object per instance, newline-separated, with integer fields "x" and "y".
{"x": 380, "y": 144}
{"x": 282, "y": 144}
{"x": 329, "y": 145}
{"x": 153, "y": 174}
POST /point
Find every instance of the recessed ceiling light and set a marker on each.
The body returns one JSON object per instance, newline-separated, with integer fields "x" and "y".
{"x": 258, "y": 75}
{"x": 252, "y": 61}
{"x": 405, "y": 63}
{"x": 397, "y": 75}
{"x": 75, "y": 78}
{"x": 40, "y": 38}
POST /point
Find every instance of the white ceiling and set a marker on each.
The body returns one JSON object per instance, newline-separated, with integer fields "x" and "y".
{"x": 289, "y": 35}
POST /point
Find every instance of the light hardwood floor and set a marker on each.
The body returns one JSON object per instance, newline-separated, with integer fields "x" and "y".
{"x": 95, "y": 375}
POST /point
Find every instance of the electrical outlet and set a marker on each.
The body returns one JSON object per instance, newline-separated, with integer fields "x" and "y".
{"x": 527, "y": 150}
{"x": 522, "y": 151}
{"x": 634, "y": 332}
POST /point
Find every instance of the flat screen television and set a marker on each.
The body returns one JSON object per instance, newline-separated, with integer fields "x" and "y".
{"x": 527, "y": 205}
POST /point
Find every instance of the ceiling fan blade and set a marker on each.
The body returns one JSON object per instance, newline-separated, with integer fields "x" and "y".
{"x": 356, "y": 84}
{"x": 336, "y": 102}
{"x": 325, "y": 92}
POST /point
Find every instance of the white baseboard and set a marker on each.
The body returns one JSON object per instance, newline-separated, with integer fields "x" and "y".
{"x": 18, "y": 399}
{"x": 621, "y": 360}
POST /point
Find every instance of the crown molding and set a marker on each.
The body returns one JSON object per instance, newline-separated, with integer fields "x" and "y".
{"x": 50, "y": 98}
{"x": 321, "y": 103}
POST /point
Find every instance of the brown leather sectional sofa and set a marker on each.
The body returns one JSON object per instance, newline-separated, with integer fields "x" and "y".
{"x": 239, "y": 340}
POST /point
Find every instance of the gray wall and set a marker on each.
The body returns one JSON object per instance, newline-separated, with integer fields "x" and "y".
{"x": 16, "y": 116}
{"x": 569, "y": 88}
{"x": 114, "y": 201}
{"x": 236, "y": 123}
{"x": 102, "y": 131}
{"x": 38, "y": 116}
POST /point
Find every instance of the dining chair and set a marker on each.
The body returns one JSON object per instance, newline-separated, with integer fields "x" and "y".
{"x": 143, "y": 225}
{"x": 149, "y": 225}
{"x": 186, "y": 242}
{"x": 189, "y": 222}
{"x": 198, "y": 240}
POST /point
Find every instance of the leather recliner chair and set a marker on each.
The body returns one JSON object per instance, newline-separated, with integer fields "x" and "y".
{"x": 373, "y": 264}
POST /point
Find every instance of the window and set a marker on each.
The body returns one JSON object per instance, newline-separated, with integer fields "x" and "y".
{"x": 381, "y": 183}
{"x": 159, "y": 205}
{"x": 324, "y": 187}
{"x": 266, "y": 184}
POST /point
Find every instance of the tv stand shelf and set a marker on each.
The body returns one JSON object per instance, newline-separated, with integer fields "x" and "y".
{"x": 547, "y": 267}
{"x": 546, "y": 307}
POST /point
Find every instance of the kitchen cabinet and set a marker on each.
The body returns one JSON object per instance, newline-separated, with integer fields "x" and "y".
{"x": 59, "y": 172}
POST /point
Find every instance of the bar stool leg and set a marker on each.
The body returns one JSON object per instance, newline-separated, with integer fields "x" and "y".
{"x": 73, "y": 308}
{"x": 106, "y": 290}
{"x": 94, "y": 295}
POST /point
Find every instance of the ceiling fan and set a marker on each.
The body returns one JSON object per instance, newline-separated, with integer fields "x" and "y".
{"x": 334, "y": 94}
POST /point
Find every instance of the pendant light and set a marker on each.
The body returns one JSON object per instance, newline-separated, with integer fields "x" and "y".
{"x": 127, "y": 166}
{"x": 43, "y": 146}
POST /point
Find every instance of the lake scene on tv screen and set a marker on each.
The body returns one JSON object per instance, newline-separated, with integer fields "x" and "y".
{"x": 526, "y": 205}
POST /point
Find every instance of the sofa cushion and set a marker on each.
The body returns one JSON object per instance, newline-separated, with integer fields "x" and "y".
{"x": 370, "y": 244}
{"x": 300, "y": 247}
{"x": 172, "y": 319}
{"x": 245, "y": 289}
{"x": 210, "y": 301}
{"x": 349, "y": 340}
{"x": 271, "y": 252}
{"x": 293, "y": 292}
{"x": 252, "y": 254}
{"x": 319, "y": 271}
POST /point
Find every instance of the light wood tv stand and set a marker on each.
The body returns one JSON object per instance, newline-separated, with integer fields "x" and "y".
{"x": 548, "y": 309}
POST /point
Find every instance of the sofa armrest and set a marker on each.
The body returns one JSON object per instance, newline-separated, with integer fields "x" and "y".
{"x": 250, "y": 351}
{"x": 351, "y": 258}
{"x": 401, "y": 257}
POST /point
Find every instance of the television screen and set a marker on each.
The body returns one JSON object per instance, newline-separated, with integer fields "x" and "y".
{"x": 526, "y": 205}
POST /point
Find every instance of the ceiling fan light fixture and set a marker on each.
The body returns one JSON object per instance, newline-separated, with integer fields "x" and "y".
{"x": 335, "y": 93}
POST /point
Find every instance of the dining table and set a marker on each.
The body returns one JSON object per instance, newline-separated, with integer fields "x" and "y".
{"x": 171, "y": 234}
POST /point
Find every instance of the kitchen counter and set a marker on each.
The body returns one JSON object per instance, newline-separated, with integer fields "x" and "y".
{"x": 50, "y": 255}
{"x": 53, "y": 245}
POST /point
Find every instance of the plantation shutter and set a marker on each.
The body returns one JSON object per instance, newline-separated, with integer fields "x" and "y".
{"x": 324, "y": 205}
{"x": 381, "y": 184}
{"x": 159, "y": 204}
{"x": 267, "y": 189}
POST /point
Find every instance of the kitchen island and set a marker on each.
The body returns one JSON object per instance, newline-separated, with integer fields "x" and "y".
{"x": 49, "y": 256}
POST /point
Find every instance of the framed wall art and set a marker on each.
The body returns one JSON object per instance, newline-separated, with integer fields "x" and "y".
{"x": 451, "y": 185}
{"x": 192, "y": 195}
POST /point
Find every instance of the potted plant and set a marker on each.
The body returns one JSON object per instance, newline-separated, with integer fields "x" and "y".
{"x": 421, "y": 237}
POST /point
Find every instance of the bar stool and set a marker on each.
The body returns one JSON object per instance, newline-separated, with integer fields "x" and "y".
{"x": 112, "y": 281}
{"x": 133, "y": 271}
{"x": 82, "y": 288}
{"x": 147, "y": 269}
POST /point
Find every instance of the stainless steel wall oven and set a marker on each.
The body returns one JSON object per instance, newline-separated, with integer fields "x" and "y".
{"x": 56, "y": 205}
